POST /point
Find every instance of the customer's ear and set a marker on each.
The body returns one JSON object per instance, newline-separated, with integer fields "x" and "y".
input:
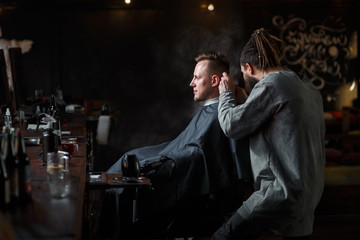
{"x": 215, "y": 80}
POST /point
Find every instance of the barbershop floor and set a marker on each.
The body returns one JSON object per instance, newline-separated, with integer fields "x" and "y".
{"x": 337, "y": 216}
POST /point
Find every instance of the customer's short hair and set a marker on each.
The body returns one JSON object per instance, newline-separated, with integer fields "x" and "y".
{"x": 218, "y": 63}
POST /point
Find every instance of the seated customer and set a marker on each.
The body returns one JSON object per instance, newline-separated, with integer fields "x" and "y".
{"x": 199, "y": 162}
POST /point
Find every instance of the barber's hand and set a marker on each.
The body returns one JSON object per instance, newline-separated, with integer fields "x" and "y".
{"x": 226, "y": 83}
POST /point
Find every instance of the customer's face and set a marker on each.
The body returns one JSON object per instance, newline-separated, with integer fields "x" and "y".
{"x": 201, "y": 82}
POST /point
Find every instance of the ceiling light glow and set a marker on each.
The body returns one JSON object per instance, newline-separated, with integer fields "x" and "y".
{"x": 211, "y": 7}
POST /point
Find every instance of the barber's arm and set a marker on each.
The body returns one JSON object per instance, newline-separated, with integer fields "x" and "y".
{"x": 230, "y": 97}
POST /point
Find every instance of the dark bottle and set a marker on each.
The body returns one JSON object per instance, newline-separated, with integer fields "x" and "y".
{"x": 52, "y": 106}
{"x": 57, "y": 130}
{"x": 105, "y": 109}
{"x": 4, "y": 186}
{"x": 23, "y": 166}
{"x": 5, "y": 191}
{"x": 54, "y": 111}
{"x": 90, "y": 151}
{"x": 48, "y": 144}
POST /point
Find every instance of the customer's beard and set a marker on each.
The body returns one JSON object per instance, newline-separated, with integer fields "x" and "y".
{"x": 250, "y": 83}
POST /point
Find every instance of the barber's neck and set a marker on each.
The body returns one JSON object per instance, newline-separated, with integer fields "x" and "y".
{"x": 260, "y": 74}
{"x": 274, "y": 69}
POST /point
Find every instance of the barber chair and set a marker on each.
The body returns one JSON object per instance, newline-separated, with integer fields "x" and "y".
{"x": 107, "y": 110}
{"x": 101, "y": 121}
{"x": 95, "y": 108}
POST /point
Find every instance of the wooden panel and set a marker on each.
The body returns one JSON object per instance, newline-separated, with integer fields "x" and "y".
{"x": 4, "y": 84}
{"x": 15, "y": 57}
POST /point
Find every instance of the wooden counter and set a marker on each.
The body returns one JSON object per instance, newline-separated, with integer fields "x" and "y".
{"x": 46, "y": 217}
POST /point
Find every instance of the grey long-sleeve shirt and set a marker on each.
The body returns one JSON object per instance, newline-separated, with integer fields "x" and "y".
{"x": 283, "y": 117}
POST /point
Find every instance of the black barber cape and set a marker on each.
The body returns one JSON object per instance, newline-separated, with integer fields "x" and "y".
{"x": 200, "y": 161}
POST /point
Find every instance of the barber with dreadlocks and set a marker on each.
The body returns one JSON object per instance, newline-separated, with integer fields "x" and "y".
{"x": 283, "y": 117}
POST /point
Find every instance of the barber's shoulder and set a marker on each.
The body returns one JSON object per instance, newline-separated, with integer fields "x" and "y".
{"x": 240, "y": 95}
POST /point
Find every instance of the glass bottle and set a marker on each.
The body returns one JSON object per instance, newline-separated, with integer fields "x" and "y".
{"x": 7, "y": 118}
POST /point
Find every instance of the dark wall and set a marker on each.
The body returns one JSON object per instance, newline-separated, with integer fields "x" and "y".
{"x": 143, "y": 57}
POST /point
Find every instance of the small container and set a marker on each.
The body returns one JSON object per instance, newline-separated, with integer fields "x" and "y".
{"x": 130, "y": 166}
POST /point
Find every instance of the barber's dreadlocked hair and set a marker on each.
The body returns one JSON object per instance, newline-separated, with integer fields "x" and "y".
{"x": 261, "y": 51}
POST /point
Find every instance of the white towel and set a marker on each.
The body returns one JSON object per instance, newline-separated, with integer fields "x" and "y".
{"x": 103, "y": 129}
